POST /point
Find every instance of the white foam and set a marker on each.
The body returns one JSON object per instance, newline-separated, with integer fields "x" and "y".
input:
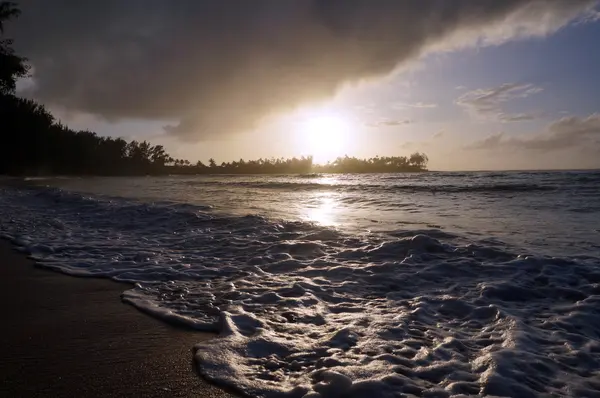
{"x": 307, "y": 311}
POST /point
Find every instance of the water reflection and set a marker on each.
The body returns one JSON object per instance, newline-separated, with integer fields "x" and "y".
{"x": 323, "y": 208}
{"x": 328, "y": 180}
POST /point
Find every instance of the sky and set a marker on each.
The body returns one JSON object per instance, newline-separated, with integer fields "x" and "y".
{"x": 476, "y": 85}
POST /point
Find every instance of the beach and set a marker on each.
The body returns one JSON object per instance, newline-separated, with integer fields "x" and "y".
{"x": 64, "y": 336}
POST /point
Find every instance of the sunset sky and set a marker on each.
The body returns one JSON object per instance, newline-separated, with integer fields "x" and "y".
{"x": 489, "y": 84}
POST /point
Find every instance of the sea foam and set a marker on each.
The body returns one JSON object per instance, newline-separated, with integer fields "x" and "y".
{"x": 308, "y": 311}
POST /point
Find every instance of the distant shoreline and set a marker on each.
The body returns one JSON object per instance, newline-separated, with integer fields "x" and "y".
{"x": 7, "y": 177}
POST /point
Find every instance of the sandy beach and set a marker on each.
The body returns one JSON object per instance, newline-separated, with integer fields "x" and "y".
{"x": 64, "y": 336}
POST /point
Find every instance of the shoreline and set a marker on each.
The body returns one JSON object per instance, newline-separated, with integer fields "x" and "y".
{"x": 65, "y": 336}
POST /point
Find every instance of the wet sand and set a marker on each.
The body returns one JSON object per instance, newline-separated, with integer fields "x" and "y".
{"x": 63, "y": 336}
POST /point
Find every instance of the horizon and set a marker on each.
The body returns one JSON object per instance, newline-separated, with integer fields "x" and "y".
{"x": 496, "y": 90}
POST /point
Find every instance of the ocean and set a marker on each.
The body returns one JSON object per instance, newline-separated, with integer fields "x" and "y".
{"x": 427, "y": 284}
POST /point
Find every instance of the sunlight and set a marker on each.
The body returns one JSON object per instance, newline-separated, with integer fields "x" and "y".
{"x": 322, "y": 209}
{"x": 325, "y": 137}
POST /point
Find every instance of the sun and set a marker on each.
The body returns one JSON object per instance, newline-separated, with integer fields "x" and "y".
{"x": 325, "y": 137}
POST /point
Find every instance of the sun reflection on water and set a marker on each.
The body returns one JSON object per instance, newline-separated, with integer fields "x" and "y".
{"x": 328, "y": 180}
{"x": 323, "y": 209}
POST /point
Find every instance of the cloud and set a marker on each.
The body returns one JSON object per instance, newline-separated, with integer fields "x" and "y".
{"x": 365, "y": 108}
{"x": 589, "y": 17}
{"x": 408, "y": 145}
{"x": 389, "y": 123}
{"x": 424, "y": 105}
{"x": 517, "y": 117}
{"x": 487, "y": 103}
{"x": 430, "y": 142}
{"x": 565, "y": 133}
{"x": 438, "y": 135}
{"x": 220, "y": 67}
{"x": 417, "y": 105}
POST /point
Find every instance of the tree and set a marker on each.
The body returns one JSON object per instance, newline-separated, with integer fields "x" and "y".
{"x": 8, "y": 10}
{"x": 159, "y": 156}
{"x": 12, "y": 67}
{"x": 418, "y": 160}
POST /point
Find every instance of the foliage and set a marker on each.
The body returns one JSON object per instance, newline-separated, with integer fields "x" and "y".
{"x": 33, "y": 143}
{"x": 387, "y": 164}
{"x": 12, "y": 66}
{"x": 394, "y": 164}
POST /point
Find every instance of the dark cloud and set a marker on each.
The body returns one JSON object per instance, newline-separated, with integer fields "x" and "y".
{"x": 487, "y": 103}
{"x": 568, "y": 132}
{"x": 216, "y": 67}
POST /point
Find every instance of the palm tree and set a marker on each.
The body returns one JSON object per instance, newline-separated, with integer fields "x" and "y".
{"x": 158, "y": 155}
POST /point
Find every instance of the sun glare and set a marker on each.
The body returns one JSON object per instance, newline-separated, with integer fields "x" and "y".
{"x": 325, "y": 137}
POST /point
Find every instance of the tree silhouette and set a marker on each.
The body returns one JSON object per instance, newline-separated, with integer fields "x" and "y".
{"x": 12, "y": 67}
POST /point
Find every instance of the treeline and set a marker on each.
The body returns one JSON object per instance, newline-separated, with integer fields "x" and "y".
{"x": 387, "y": 164}
{"x": 32, "y": 142}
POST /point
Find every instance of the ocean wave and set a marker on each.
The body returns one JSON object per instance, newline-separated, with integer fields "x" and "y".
{"x": 308, "y": 311}
{"x": 374, "y": 188}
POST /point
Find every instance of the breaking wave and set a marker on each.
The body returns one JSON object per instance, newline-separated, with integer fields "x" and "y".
{"x": 308, "y": 311}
